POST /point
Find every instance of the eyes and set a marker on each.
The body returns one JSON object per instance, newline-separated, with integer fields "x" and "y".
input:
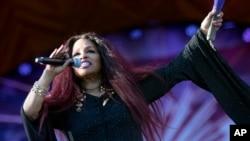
{"x": 88, "y": 51}
{"x": 91, "y": 51}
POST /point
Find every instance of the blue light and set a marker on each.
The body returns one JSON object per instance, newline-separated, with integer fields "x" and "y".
{"x": 24, "y": 69}
{"x": 191, "y": 30}
{"x": 135, "y": 34}
{"x": 246, "y": 35}
{"x": 228, "y": 25}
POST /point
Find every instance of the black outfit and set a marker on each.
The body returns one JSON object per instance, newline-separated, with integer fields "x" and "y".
{"x": 198, "y": 62}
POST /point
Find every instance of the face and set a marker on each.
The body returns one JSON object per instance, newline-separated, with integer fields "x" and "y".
{"x": 90, "y": 59}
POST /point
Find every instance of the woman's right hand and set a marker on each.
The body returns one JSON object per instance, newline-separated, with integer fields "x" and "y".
{"x": 57, "y": 53}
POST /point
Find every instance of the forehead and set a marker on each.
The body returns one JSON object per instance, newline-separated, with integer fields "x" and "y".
{"x": 82, "y": 43}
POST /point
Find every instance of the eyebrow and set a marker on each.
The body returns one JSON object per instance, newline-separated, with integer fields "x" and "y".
{"x": 89, "y": 47}
{"x": 85, "y": 48}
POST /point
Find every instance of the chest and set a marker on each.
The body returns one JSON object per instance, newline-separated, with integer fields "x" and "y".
{"x": 98, "y": 120}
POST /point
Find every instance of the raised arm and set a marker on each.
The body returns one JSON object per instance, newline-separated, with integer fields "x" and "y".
{"x": 204, "y": 66}
{"x": 34, "y": 101}
{"x": 181, "y": 68}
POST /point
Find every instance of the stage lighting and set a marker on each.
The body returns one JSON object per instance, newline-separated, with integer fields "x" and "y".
{"x": 135, "y": 34}
{"x": 24, "y": 69}
{"x": 228, "y": 25}
{"x": 246, "y": 35}
{"x": 191, "y": 29}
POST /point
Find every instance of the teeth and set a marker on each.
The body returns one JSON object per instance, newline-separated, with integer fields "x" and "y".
{"x": 85, "y": 64}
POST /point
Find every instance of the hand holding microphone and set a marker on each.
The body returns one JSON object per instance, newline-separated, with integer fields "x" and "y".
{"x": 56, "y": 62}
{"x": 218, "y": 4}
{"x": 75, "y": 62}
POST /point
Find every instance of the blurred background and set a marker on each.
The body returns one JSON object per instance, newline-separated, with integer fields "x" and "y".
{"x": 145, "y": 32}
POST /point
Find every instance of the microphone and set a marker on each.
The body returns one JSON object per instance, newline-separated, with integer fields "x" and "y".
{"x": 218, "y": 4}
{"x": 76, "y": 62}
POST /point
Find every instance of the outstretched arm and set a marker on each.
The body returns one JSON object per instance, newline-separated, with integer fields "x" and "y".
{"x": 180, "y": 69}
{"x": 213, "y": 71}
{"x": 205, "y": 67}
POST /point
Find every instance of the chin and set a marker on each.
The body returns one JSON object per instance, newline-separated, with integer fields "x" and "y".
{"x": 81, "y": 73}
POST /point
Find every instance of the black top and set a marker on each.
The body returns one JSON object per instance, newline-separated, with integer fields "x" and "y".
{"x": 112, "y": 122}
{"x": 198, "y": 62}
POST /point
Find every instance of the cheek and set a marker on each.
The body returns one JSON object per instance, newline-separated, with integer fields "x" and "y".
{"x": 98, "y": 63}
{"x": 77, "y": 72}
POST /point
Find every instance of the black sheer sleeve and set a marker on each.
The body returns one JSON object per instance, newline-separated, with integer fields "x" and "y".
{"x": 205, "y": 67}
{"x": 179, "y": 69}
{"x": 231, "y": 92}
{"x": 32, "y": 129}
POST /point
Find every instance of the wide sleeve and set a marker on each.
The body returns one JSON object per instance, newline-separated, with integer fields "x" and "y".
{"x": 181, "y": 68}
{"x": 231, "y": 92}
{"x": 199, "y": 63}
{"x": 32, "y": 129}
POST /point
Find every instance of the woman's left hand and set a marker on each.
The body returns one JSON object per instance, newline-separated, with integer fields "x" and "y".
{"x": 206, "y": 22}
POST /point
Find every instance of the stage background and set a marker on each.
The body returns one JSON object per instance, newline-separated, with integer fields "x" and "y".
{"x": 31, "y": 29}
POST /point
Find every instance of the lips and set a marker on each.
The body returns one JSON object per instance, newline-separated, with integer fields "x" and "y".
{"x": 85, "y": 64}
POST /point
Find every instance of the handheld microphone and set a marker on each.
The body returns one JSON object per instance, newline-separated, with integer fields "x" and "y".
{"x": 76, "y": 62}
{"x": 218, "y": 4}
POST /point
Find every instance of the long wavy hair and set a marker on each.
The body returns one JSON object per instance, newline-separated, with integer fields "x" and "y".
{"x": 116, "y": 74}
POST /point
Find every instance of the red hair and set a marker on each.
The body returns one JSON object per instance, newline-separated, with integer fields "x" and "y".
{"x": 116, "y": 74}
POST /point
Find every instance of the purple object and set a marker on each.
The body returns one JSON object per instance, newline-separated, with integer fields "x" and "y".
{"x": 218, "y": 4}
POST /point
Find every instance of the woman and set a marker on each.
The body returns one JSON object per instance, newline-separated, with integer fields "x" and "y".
{"x": 106, "y": 99}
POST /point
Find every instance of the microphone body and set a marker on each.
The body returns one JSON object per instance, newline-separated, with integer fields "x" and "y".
{"x": 218, "y": 4}
{"x": 76, "y": 62}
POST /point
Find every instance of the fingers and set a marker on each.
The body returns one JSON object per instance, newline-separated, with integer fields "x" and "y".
{"x": 212, "y": 17}
{"x": 53, "y": 53}
{"x": 218, "y": 23}
{"x": 218, "y": 20}
{"x": 215, "y": 18}
{"x": 57, "y": 53}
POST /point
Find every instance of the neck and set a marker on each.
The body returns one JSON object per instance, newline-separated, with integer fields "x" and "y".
{"x": 90, "y": 85}
{"x": 94, "y": 89}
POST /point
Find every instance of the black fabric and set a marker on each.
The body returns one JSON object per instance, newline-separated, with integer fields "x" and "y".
{"x": 198, "y": 62}
{"x": 31, "y": 128}
{"x": 231, "y": 92}
{"x": 112, "y": 122}
{"x": 208, "y": 69}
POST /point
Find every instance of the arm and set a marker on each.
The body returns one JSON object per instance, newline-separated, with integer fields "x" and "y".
{"x": 35, "y": 130}
{"x": 46, "y": 133}
{"x": 231, "y": 92}
{"x": 173, "y": 73}
{"x": 201, "y": 64}
{"x": 34, "y": 101}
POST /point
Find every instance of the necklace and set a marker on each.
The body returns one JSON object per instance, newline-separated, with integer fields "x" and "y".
{"x": 79, "y": 102}
{"x": 108, "y": 93}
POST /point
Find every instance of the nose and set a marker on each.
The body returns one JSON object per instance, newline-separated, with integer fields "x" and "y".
{"x": 83, "y": 56}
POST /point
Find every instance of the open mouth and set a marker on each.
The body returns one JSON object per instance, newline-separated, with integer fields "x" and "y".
{"x": 85, "y": 64}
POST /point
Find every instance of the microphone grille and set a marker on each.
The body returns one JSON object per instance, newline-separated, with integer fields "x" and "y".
{"x": 76, "y": 62}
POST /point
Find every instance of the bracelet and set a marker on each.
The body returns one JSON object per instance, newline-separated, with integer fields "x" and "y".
{"x": 39, "y": 90}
